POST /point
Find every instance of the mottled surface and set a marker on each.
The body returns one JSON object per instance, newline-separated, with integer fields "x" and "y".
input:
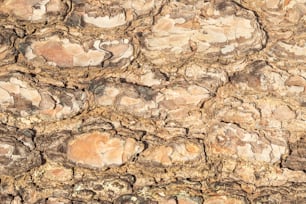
{"x": 152, "y": 101}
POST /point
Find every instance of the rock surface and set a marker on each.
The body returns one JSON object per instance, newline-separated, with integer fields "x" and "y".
{"x": 152, "y": 101}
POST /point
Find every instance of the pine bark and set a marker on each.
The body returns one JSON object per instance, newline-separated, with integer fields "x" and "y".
{"x": 152, "y": 101}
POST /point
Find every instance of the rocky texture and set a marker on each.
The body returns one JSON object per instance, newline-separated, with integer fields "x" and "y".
{"x": 152, "y": 101}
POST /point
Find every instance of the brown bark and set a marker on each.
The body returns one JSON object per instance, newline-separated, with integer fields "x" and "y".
{"x": 152, "y": 101}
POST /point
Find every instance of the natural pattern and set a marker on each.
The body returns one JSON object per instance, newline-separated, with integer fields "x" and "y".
{"x": 152, "y": 101}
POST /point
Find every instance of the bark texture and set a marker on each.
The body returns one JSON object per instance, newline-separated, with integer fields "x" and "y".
{"x": 152, "y": 101}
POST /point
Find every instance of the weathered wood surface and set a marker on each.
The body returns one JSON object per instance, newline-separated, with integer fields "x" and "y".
{"x": 152, "y": 101}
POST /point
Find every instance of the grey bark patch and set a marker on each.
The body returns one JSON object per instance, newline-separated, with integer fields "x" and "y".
{"x": 74, "y": 20}
{"x": 145, "y": 92}
{"x": 98, "y": 86}
{"x": 132, "y": 199}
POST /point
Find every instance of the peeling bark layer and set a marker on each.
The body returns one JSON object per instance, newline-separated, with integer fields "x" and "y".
{"x": 152, "y": 101}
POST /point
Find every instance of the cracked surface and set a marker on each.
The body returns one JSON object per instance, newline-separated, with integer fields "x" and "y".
{"x": 152, "y": 101}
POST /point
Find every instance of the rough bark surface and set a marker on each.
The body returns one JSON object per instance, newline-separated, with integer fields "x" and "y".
{"x": 152, "y": 101}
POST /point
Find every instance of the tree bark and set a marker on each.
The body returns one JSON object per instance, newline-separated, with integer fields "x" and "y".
{"x": 152, "y": 101}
